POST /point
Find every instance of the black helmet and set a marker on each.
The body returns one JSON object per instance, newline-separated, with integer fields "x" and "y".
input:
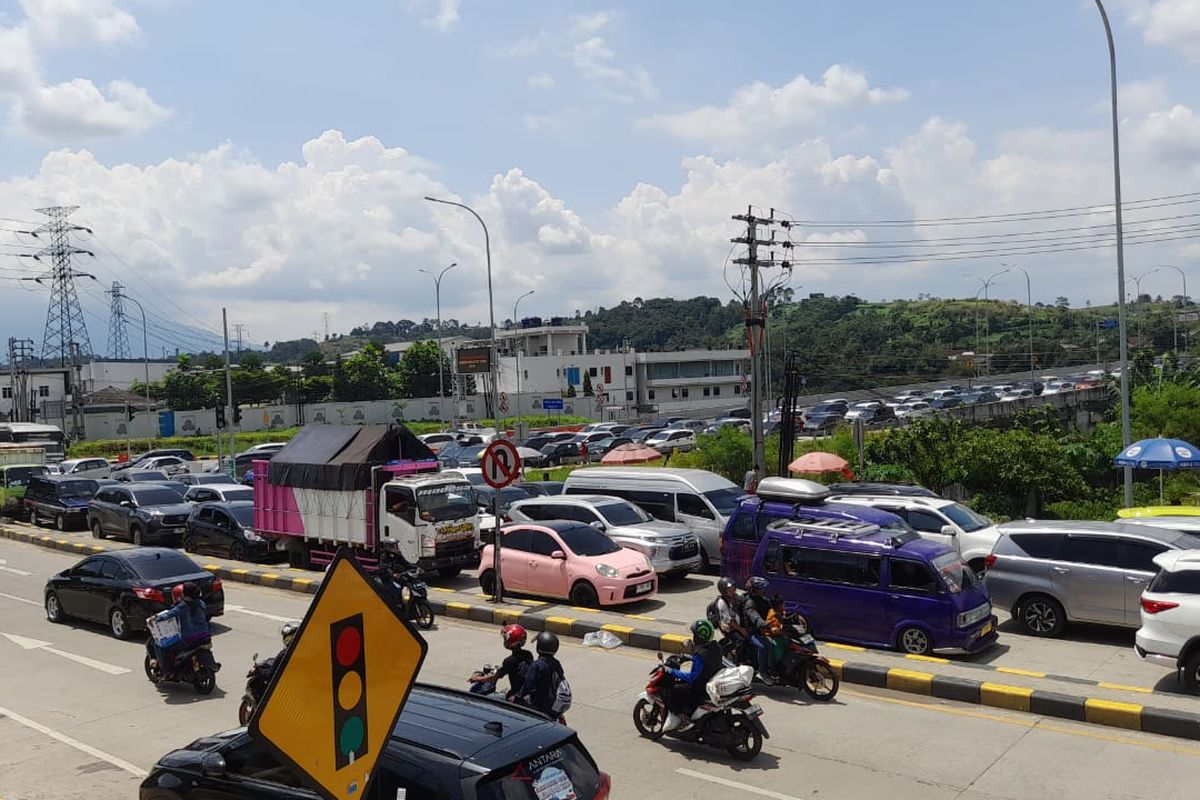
{"x": 757, "y": 584}
{"x": 725, "y": 584}
{"x": 546, "y": 643}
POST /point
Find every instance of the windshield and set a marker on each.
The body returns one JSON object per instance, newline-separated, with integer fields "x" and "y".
{"x": 1188, "y": 541}
{"x": 622, "y": 514}
{"x": 587, "y": 541}
{"x": 955, "y": 572}
{"x": 19, "y": 476}
{"x": 243, "y": 514}
{"x": 965, "y": 518}
{"x": 240, "y": 493}
{"x": 724, "y": 500}
{"x": 166, "y": 565}
{"x": 76, "y": 488}
{"x": 448, "y": 501}
{"x": 158, "y": 496}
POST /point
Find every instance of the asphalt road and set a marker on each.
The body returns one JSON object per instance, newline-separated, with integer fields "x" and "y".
{"x": 78, "y": 719}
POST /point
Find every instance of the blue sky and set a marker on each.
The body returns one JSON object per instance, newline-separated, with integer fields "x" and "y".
{"x": 271, "y": 156}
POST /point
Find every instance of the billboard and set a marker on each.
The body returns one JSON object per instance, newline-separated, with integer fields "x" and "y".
{"x": 473, "y": 360}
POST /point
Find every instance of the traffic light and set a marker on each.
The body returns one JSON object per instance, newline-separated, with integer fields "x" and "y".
{"x": 220, "y": 416}
{"x": 349, "y": 690}
{"x": 128, "y": 413}
{"x": 237, "y": 414}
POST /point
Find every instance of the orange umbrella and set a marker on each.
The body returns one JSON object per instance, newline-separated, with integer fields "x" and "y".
{"x": 818, "y": 462}
{"x": 631, "y": 453}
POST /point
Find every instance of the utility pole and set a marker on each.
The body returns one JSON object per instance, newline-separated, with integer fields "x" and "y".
{"x": 118, "y": 338}
{"x": 64, "y": 319}
{"x": 238, "y": 330}
{"x": 229, "y": 421}
{"x": 20, "y": 354}
{"x": 325, "y": 316}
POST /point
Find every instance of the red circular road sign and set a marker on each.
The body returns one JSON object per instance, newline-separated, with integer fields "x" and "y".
{"x": 500, "y": 463}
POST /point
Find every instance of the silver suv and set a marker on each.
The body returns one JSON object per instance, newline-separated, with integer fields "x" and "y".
{"x": 1052, "y": 572}
{"x": 671, "y": 547}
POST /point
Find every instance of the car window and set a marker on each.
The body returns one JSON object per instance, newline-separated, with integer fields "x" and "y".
{"x": 587, "y": 541}
{"x": 534, "y": 511}
{"x": 401, "y": 503}
{"x": 772, "y": 559}
{"x": 517, "y": 540}
{"x": 542, "y": 544}
{"x": 925, "y": 521}
{"x": 87, "y": 569}
{"x": 965, "y": 518}
{"x": 249, "y": 758}
{"x": 742, "y": 527}
{"x": 693, "y": 505}
{"x": 235, "y": 493}
{"x": 831, "y": 566}
{"x": 157, "y": 496}
{"x": 579, "y": 514}
{"x": 564, "y": 773}
{"x": 204, "y": 515}
{"x": 1101, "y": 551}
{"x": 164, "y": 565}
{"x": 912, "y": 576}
{"x": 1139, "y": 555}
{"x": 623, "y": 514}
{"x": 243, "y": 515}
{"x": 112, "y": 570}
{"x": 1038, "y": 545}
{"x": 724, "y": 500}
{"x": 1184, "y": 582}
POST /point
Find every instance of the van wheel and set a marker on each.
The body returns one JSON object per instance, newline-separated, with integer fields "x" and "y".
{"x": 1040, "y": 615}
{"x": 915, "y": 641}
{"x": 298, "y": 556}
{"x": 584, "y": 594}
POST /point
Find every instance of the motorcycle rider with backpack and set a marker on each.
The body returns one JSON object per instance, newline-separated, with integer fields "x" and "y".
{"x": 690, "y": 690}
{"x": 515, "y": 665}
{"x": 545, "y": 688}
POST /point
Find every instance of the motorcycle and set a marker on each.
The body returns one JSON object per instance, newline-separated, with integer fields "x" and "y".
{"x": 802, "y": 665}
{"x": 731, "y": 721}
{"x": 257, "y": 680}
{"x": 483, "y": 687}
{"x": 414, "y": 597}
{"x": 193, "y": 664}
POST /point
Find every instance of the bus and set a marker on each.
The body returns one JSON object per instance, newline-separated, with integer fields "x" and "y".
{"x": 49, "y": 437}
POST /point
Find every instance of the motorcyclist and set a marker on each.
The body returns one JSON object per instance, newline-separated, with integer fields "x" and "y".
{"x": 542, "y": 676}
{"x": 755, "y": 608}
{"x": 514, "y": 666}
{"x": 287, "y": 632}
{"x": 191, "y": 613}
{"x": 690, "y": 690}
{"x": 729, "y": 613}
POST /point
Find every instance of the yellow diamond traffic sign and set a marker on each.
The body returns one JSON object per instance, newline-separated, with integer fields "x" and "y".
{"x": 337, "y": 696}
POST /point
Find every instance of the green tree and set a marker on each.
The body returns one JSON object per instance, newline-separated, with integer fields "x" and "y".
{"x": 365, "y": 376}
{"x": 188, "y": 390}
{"x": 419, "y": 369}
{"x": 1171, "y": 410}
{"x": 251, "y": 361}
{"x": 587, "y": 385}
{"x": 313, "y": 364}
{"x": 928, "y": 448}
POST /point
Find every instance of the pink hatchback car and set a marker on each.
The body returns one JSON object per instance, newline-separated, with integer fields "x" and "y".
{"x": 569, "y": 560}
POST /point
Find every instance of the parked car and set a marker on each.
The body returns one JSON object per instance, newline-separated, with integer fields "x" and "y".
{"x": 1051, "y": 572}
{"x": 908, "y": 395}
{"x": 141, "y": 513}
{"x": 439, "y": 748}
{"x": 642, "y": 434}
{"x": 942, "y": 394}
{"x": 140, "y": 475}
{"x": 670, "y": 547}
{"x": 1170, "y": 616}
{"x": 122, "y": 588}
{"x": 218, "y": 493}
{"x": 816, "y": 424}
{"x": 672, "y": 439}
{"x": 485, "y": 495}
{"x": 945, "y": 403}
{"x": 224, "y": 528}
{"x": 542, "y": 488}
{"x": 436, "y": 441}
{"x": 14, "y": 480}
{"x": 1058, "y": 387}
{"x": 136, "y": 461}
{"x": 543, "y": 439}
{"x": 61, "y": 500}
{"x": 838, "y": 407}
{"x": 85, "y": 467}
{"x": 200, "y": 478}
{"x": 917, "y": 408}
{"x": 568, "y": 560}
{"x": 1017, "y": 394}
{"x": 556, "y": 454}
{"x": 976, "y": 396}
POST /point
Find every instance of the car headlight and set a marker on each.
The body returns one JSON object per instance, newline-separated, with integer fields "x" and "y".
{"x": 654, "y": 552}
{"x": 607, "y": 571}
{"x": 251, "y": 536}
{"x": 971, "y": 616}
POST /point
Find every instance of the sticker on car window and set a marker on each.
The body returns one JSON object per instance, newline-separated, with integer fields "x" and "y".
{"x": 554, "y": 784}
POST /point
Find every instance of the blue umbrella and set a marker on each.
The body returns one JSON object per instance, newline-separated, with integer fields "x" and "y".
{"x": 1160, "y": 454}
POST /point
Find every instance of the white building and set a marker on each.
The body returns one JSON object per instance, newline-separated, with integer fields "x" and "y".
{"x": 50, "y": 387}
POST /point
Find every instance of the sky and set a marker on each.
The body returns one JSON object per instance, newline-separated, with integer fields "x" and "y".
{"x": 272, "y": 157}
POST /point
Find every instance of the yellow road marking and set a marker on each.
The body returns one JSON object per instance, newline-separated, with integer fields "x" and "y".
{"x": 212, "y": 567}
{"x": 1028, "y": 723}
{"x": 532, "y": 602}
{"x": 931, "y": 659}
{"x": 1120, "y": 687}
{"x": 239, "y": 571}
{"x": 851, "y": 647}
{"x": 441, "y": 589}
{"x": 1001, "y": 695}
{"x": 559, "y": 624}
{"x": 268, "y": 577}
{"x": 301, "y": 581}
{"x": 907, "y": 680}
{"x": 1027, "y": 673}
{"x": 1117, "y": 715}
{"x": 640, "y": 616}
{"x": 584, "y": 610}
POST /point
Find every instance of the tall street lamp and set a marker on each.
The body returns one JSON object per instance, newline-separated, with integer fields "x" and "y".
{"x": 985, "y": 284}
{"x": 1126, "y": 432}
{"x": 1137, "y": 299}
{"x": 1029, "y": 306}
{"x": 518, "y": 358}
{"x": 1183, "y": 302}
{"x": 437, "y": 292}
{"x": 145, "y": 354}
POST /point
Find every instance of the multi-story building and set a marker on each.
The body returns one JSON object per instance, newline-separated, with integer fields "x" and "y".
{"x": 49, "y": 389}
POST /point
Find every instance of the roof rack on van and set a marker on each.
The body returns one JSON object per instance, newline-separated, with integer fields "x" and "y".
{"x": 837, "y": 529}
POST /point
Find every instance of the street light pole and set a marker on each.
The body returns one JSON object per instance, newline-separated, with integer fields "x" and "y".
{"x": 1029, "y": 306}
{"x": 145, "y": 355}
{"x": 1126, "y": 432}
{"x": 437, "y": 292}
{"x": 1137, "y": 300}
{"x": 1174, "y": 315}
{"x": 498, "y": 593}
{"x": 987, "y": 323}
{"x": 517, "y": 355}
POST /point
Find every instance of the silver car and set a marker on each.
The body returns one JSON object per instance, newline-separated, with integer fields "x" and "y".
{"x": 1052, "y": 572}
{"x": 671, "y": 547}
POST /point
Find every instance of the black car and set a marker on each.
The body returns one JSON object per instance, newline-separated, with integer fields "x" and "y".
{"x": 893, "y": 489}
{"x": 123, "y": 587}
{"x": 485, "y": 495}
{"x": 556, "y": 454}
{"x": 141, "y": 512}
{"x": 822, "y": 422}
{"x": 447, "y": 745}
{"x": 542, "y": 488}
{"x": 225, "y": 529}
{"x": 872, "y": 415}
{"x": 198, "y": 478}
{"x": 59, "y": 499}
{"x": 138, "y": 475}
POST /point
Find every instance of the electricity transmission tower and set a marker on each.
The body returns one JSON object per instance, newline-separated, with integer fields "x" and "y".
{"x": 65, "y": 329}
{"x": 118, "y": 338}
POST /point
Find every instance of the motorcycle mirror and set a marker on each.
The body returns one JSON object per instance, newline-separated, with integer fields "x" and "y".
{"x": 212, "y": 765}
{"x": 254, "y": 657}
{"x": 660, "y": 657}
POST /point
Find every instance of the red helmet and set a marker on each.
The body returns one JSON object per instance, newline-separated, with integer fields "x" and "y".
{"x": 514, "y": 636}
{"x": 177, "y": 593}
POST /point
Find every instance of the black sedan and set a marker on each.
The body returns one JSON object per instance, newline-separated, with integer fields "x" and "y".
{"x": 225, "y": 529}
{"x": 556, "y": 454}
{"x": 447, "y": 744}
{"x": 124, "y": 587}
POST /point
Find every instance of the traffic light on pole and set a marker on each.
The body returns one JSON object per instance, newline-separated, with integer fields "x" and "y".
{"x": 128, "y": 413}
{"x": 220, "y": 416}
{"x": 349, "y": 666}
{"x": 237, "y": 414}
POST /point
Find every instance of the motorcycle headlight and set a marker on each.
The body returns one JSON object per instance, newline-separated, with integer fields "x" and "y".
{"x": 607, "y": 571}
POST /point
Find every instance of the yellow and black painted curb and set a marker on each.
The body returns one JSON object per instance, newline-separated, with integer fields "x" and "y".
{"x": 1079, "y": 708}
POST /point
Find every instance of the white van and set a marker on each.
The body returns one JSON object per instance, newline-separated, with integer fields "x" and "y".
{"x": 700, "y": 499}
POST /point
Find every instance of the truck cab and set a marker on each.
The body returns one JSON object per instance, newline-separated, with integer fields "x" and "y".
{"x": 431, "y": 521}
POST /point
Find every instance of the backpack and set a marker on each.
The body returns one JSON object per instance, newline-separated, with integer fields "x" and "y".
{"x": 713, "y": 614}
{"x": 561, "y": 701}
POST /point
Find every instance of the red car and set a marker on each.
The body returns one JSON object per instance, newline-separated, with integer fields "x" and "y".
{"x": 570, "y": 560}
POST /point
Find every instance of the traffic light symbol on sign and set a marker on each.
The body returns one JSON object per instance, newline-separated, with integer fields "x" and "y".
{"x": 349, "y": 666}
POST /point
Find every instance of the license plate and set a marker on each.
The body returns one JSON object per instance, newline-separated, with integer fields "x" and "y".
{"x": 644, "y": 587}
{"x": 754, "y": 711}
{"x": 985, "y": 630}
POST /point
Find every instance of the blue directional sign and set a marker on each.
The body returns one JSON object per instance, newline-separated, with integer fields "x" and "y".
{"x": 553, "y": 404}
{"x": 1107, "y": 324}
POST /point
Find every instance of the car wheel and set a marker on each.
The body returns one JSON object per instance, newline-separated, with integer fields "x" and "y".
{"x": 118, "y": 623}
{"x": 97, "y": 533}
{"x": 487, "y": 582}
{"x": 1040, "y": 615}
{"x": 60, "y": 522}
{"x": 237, "y": 551}
{"x": 54, "y": 611}
{"x": 584, "y": 594}
{"x": 706, "y": 564}
{"x": 136, "y": 535}
{"x": 915, "y": 641}
{"x": 33, "y": 518}
{"x": 189, "y": 543}
{"x": 1191, "y": 673}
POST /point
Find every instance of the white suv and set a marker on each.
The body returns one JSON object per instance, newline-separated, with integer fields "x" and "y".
{"x": 1170, "y": 632}
{"x": 938, "y": 520}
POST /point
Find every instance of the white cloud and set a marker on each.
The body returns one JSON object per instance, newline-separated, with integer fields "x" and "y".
{"x": 541, "y": 80}
{"x": 441, "y": 15}
{"x": 585, "y": 26}
{"x": 759, "y": 111}
{"x": 597, "y": 62}
{"x": 78, "y": 108}
{"x": 1169, "y": 23}
{"x": 65, "y": 22}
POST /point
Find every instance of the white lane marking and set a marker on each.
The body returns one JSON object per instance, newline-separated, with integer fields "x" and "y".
{"x": 691, "y": 773}
{"x": 20, "y": 599}
{"x": 13, "y": 570}
{"x": 25, "y": 643}
{"x": 263, "y": 614}
{"x": 119, "y": 763}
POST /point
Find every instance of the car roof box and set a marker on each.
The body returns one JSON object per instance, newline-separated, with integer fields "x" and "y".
{"x": 792, "y": 490}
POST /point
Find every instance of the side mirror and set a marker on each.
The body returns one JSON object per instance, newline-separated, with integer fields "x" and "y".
{"x": 212, "y": 765}
{"x": 126, "y": 504}
{"x": 559, "y": 555}
{"x": 949, "y": 530}
{"x": 598, "y": 525}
